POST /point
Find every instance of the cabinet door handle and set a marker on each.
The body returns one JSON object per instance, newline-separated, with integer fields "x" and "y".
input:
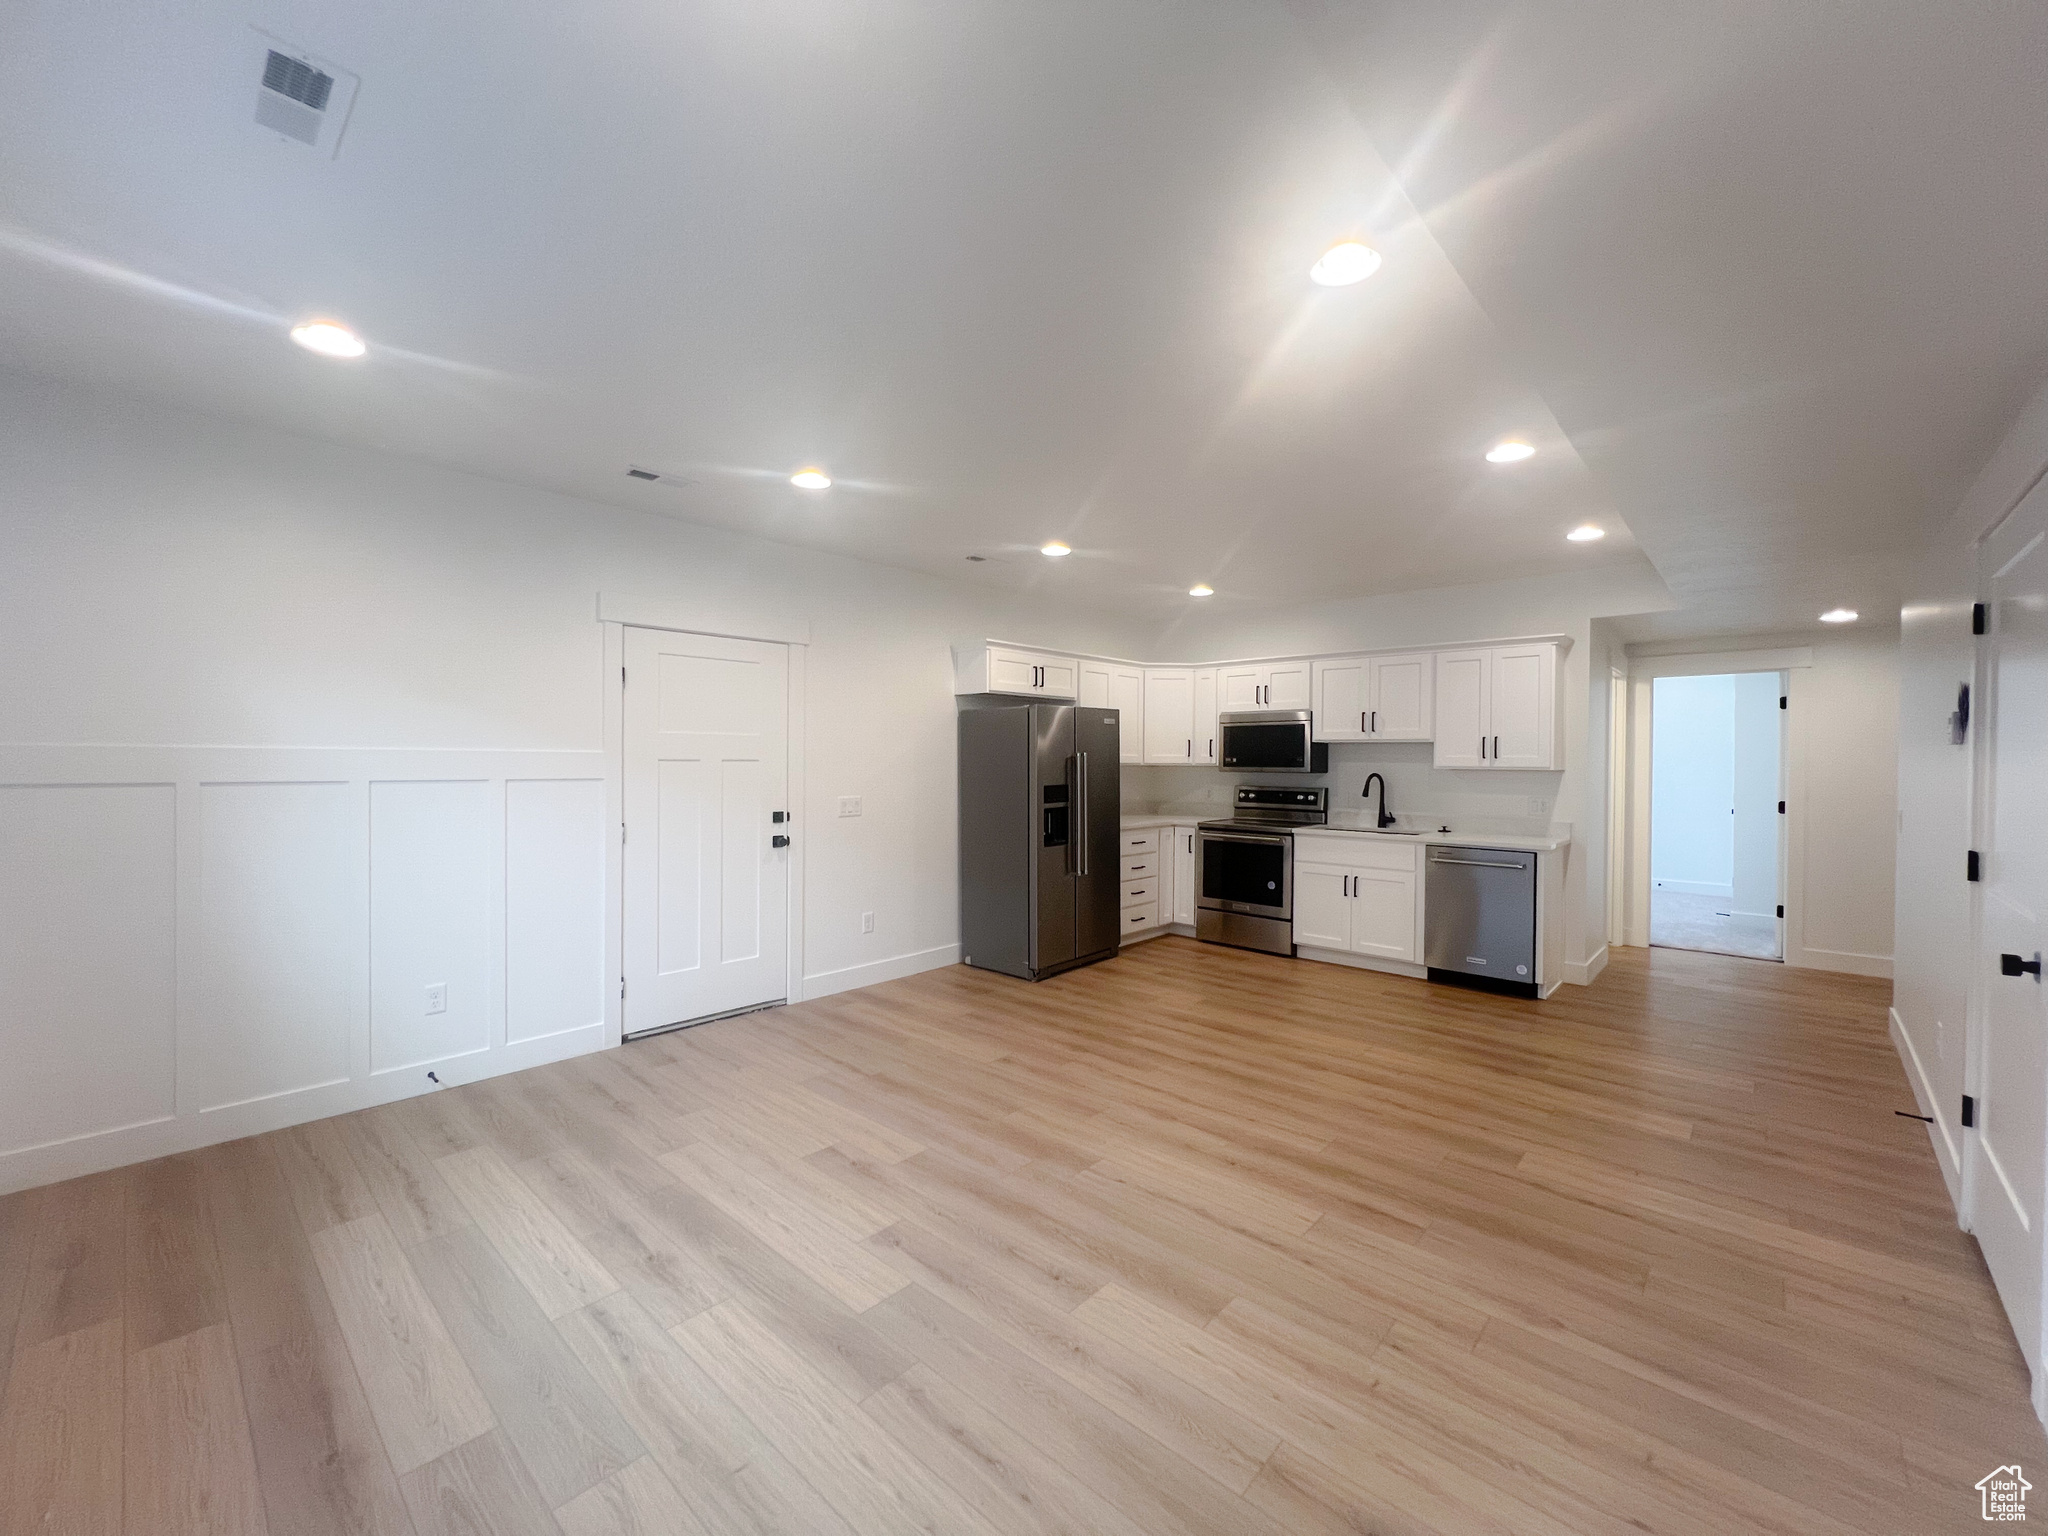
{"x": 1375, "y": 722}
{"x": 1191, "y": 746}
{"x": 1482, "y": 749}
{"x": 1496, "y": 749}
{"x": 1362, "y": 730}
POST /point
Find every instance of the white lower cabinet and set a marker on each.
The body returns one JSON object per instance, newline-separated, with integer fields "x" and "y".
{"x": 1358, "y": 894}
{"x": 1184, "y": 876}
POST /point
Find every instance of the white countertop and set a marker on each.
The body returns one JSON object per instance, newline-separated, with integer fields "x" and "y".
{"x": 1360, "y": 824}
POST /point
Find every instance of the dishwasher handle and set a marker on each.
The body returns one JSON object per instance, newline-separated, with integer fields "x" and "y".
{"x": 1479, "y": 863}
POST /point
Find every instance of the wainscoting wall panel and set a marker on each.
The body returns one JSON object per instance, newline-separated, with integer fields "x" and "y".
{"x": 201, "y": 943}
{"x": 280, "y": 888}
{"x": 432, "y": 849}
{"x": 555, "y": 875}
{"x": 88, "y": 959}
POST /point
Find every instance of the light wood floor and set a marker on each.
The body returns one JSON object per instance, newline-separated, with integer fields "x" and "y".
{"x": 1197, "y": 1241}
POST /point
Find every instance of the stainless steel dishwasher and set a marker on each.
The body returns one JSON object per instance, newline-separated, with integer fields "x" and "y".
{"x": 1479, "y": 918}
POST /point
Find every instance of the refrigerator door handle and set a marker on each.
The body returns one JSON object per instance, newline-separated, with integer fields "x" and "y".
{"x": 1073, "y": 813}
{"x": 1081, "y": 814}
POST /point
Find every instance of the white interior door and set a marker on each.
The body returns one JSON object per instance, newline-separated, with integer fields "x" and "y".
{"x": 707, "y": 771}
{"x": 2004, "y": 1172}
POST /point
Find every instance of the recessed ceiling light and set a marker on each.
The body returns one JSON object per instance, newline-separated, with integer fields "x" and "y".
{"x": 1512, "y": 451}
{"x": 1586, "y": 533}
{"x": 1839, "y": 616}
{"x": 1342, "y": 265}
{"x": 1054, "y": 549}
{"x": 329, "y": 338}
{"x": 810, "y": 480}
{"x": 1201, "y": 589}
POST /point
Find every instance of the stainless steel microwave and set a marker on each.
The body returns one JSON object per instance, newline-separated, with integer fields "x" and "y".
{"x": 1270, "y": 741}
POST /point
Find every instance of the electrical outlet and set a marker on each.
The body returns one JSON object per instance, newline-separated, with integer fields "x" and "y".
{"x": 437, "y": 997}
{"x": 849, "y": 805}
{"x": 1538, "y": 806}
{"x": 867, "y": 922}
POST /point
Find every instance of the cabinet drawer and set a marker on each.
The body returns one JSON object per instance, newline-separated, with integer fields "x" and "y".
{"x": 1143, "y": 866}
{"x": 1146, "y": 916}
{"x": 1359, "y": 851}
{"x": 1136, "y": 891}
{"x": 1146, "y": 841}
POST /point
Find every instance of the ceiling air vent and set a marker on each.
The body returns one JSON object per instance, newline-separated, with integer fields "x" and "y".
{"x": 294, "y": 97}
{"x": 298, "y": 95}
{"x": 666, "y": 477}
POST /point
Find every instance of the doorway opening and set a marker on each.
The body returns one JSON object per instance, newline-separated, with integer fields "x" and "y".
{"x": 1717, "y": 788}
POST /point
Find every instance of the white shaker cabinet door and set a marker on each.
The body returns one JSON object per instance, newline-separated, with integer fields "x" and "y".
{"x": 1343, "y": 699}
{"x": 1287, "y": 686}
{"x": 1403, "y": 688}
{"x": 1462, "y": 716}
{"x": 1523, "y": 705}
{"x": 1383, "y": 913}
{"x": 1322, "y": 905}
{"x": 1169, "y": 715}
{"x": 1206, "y": 745}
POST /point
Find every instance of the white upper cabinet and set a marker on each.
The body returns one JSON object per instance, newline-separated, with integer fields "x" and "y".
{"x": 1111, "y": 685}
{"x": 1343, "y": 699}
{"x": 1525, "y": 713}
{"x": 1282, "y": 685}
{"x": 1127, "y": 695}
{"x": 1205, "y": 717}
{"x": 1403, "y": 706}
{"x": 1497, "y": 708}
{"x": 1006, "y": 669}
{"x": 1169, "y": 715}
{"x": 1375, "y": 698}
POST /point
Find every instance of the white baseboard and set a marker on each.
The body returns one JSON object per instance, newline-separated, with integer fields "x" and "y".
{"x": 1846, "y": 961}
{"x": 1694, "y": 887}
{"x": 1361, "y": 962}
{"x": 96, "y": 1152}
{"x": 1581, "y": 973}
{"x": 825, "y": 983}
{"x": 1946, "y": 1152}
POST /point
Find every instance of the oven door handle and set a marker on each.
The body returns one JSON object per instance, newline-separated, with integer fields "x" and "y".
{"x": 1481, "y": 863}
{"x": 1247, "y": 837}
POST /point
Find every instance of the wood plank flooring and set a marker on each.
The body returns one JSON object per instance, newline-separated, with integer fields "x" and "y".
{"x": 1199, "y": 1241}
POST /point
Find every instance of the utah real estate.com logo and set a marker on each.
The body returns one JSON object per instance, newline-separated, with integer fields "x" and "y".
{"x": 2005, "y": 1494}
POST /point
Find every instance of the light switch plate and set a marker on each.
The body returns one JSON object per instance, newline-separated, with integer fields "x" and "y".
{"x": 849, "y": 805}
{"x": 437, "y": 997}
{"x": 867, "y": 922}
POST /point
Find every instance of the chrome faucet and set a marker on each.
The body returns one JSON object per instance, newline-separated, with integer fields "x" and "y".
{"x": 1386, "y": 816}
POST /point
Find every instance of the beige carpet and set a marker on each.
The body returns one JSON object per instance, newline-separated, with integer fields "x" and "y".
{"x": 1682, "y": 920}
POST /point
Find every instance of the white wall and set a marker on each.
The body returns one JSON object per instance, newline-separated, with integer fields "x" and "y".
{"x": 1692, "y": 784}
{"x": 1755, "y": 780}
{"x": 1569, "y": 606}
{"x": 334, "y": 726}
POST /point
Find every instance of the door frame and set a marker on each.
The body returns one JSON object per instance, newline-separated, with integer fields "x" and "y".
{"x": 1788, "y": 662}
{"x": 615, "y": 617}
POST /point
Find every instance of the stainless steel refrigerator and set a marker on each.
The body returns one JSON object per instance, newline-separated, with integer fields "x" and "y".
{"x": 1039, "y": 801}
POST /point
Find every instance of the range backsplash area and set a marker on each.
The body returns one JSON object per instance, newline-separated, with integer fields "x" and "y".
{"x": 1421, "y": 795}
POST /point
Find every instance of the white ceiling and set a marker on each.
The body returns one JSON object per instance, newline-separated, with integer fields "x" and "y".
{"x": 1764, "y": 288}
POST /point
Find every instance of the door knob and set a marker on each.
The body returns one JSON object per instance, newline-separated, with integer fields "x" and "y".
{"x": 779, "y": 841}
{"x": 2013, "y": 965}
